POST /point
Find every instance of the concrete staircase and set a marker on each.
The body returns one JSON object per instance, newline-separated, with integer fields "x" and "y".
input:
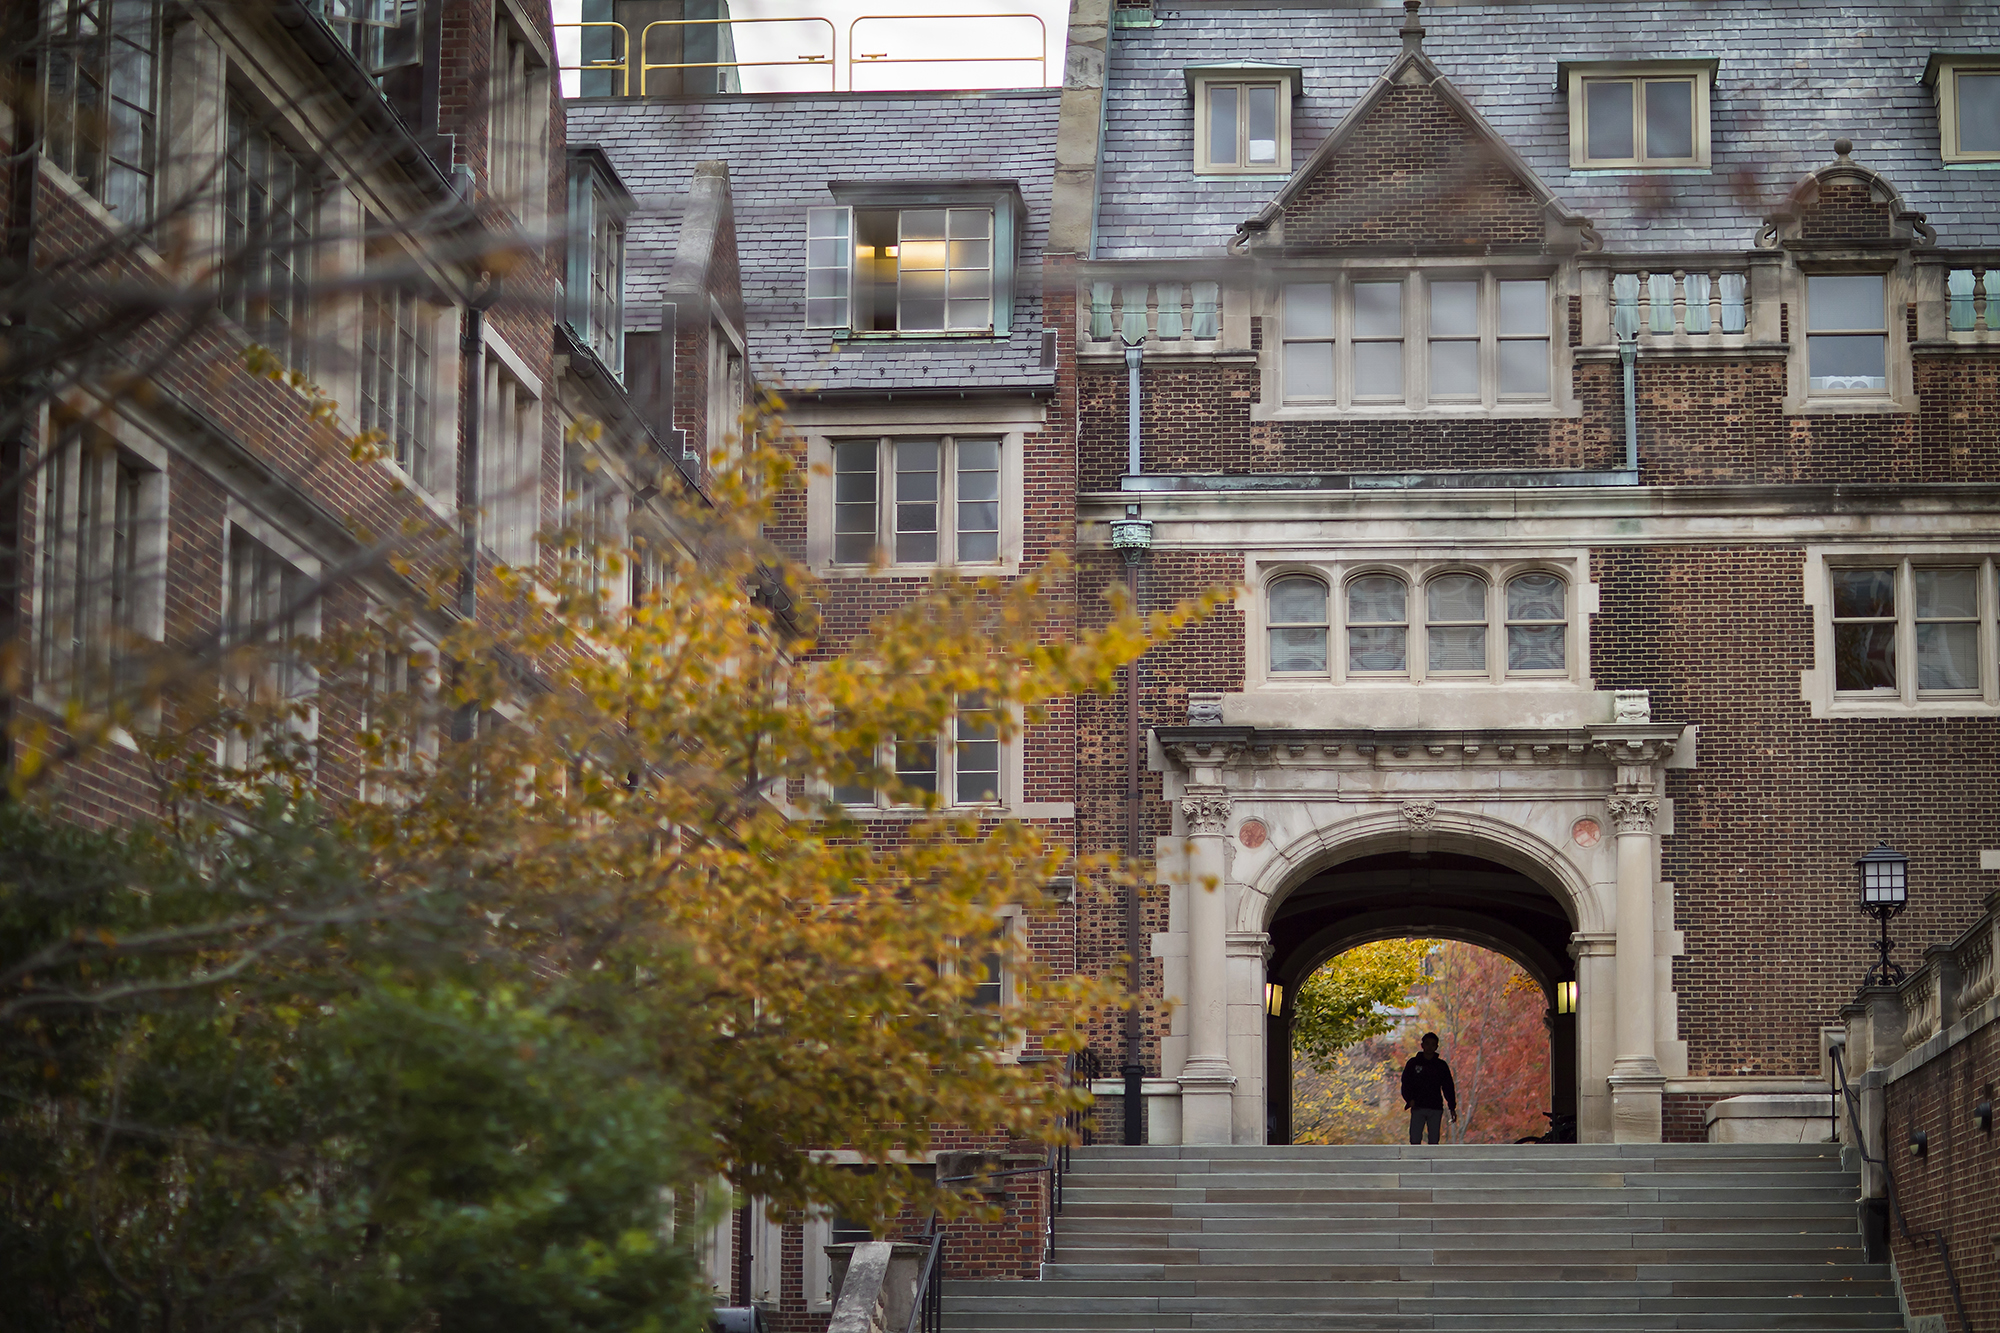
{"x": 1743, "y": 1238}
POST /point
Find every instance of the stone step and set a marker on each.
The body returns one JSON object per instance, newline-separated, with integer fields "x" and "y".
{"x": 1803, "y": 1320}
{"x": 1565, "y": 1269}
{"x": 1470, "y": 1197}
{"x": 1460, "y": 1152}
{"x": 1371, "y": 1178}
{"x": 1170, "y": 1224}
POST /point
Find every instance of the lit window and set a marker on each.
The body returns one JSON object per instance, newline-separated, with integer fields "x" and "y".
{"x": 932, "y": 501}
{"x": 1629, "y": 117}
{"x": 102, "y": 554}
{"x": 942, "y": 269}
{"x": 1885, "y": 616}
{"x": 1846, "y": 334}
{"x": 1378, "y": 624}
{"x": 1298, "y": 628}
{"x": 1968, "y": 103}
{"x": 1485, "y": 339}
{"x": 101, "y": 99}
{"x": 269, "y": 198}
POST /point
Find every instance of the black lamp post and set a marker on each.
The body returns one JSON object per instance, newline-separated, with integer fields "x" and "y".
{"x": 1885, "y": 892}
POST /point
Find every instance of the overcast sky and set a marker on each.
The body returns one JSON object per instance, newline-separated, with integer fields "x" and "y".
{"x": 972, "y": 44}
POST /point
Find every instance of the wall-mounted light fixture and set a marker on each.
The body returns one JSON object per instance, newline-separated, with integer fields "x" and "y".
{"x": 1982, "y": 1115}
{"x": 1274, "y": 998}
{"x": 1920, "y": 1143}
{"x": 1565, "y": 997}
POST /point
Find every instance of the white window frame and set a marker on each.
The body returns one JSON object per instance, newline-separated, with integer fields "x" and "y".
{"x": 595, "y": 285}
{"x": 823, "y": 515}
{"x": 235, "y": 749}
{"x": 1416, "y": 340}
{"x": 595, "y": 512}
{"x": 270, "y": 253}
{"x": 114, "y": 154}
{"x": 1638, "y": 73}
{"x": 510, "y": 455}
{"x": 1416, "y": 573}
{"x": 1242, "y": 80}
{"x": 1817, "y": 683}
{"x": 1942, "y": 75}
{"x": 415, "y": 668}
{"x": 946, "y": 748}
{"x": 1899, "y": 391}
{"x": 828, "y": 302}
{"x": 517, "y": 119}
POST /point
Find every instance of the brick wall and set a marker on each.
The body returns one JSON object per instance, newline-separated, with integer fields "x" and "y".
{"x": 1955, "y": 1186}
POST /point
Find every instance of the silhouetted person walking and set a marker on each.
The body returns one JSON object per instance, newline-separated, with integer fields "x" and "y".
{"x": 1427, "y": 1090}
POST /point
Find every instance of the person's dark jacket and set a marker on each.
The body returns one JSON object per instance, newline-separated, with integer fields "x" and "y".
{"x": 1427, "y": 1084}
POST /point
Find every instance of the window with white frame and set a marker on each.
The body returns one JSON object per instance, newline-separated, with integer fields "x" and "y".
{"x": 398, "y": 332}
{"x": 1442, "y": 339}
{"x": 960, "y": 766}
{"x": 517, "y": 121}
{"x": 102, "y": 557}
{"x": 942, "y": 267}
{"x": 510, "y": 464}
{"x": 266, "y": 609}
{"x": 1416, "y": 624}
{"x": 1639, "y": 116}
{"x": 1913, "y": 629}
{"x": 400, "y": 714}
{"x": 726, "y": 390}
{"x": 1967, "y": 88}
{"x": 931, "y": 500}
{"x": 598, "y": 206}
{"x": 100, "y": 75}
{"x": 1847, "y": 335}
{"x": 270, "y": 200}
{"x": 593, "y": 526}
{"x": 385, "y": 35}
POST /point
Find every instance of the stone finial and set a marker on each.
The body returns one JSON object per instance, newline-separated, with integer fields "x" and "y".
{"x": 1842, "y": 147}
{"x": 1412, "y": 32}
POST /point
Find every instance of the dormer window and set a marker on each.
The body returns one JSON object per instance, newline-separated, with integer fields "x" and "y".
{"x": 913, "y": 260}
{"x": 1638, "y": 116}
{"x": 1243, "y": 114}
{"x": 595, "y": 286}
{"x": 1967, "y": 88}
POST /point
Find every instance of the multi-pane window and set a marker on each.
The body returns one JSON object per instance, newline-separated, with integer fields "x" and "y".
{"x": 269, "y": 201}
{"x": 385, "y": 35}
{"x": 976, "y": 770}
{"x": 1484, "y": 341}
{"x": 596, "y": 282}
{"x": 901, "y": 270}
{"x": 1471, "y": 624}
{"x": 517, "y": 122}
{"x": 1243, "y": 127}
{"x": 961, "y": 766}
{"x": 1633, "y": 119}
{"x": 591, "y": 527}
{"x": 101, "y": 99}
{"x": 1968, "y": 101}
{"x": 102, "y": 550}
{"x": 265, "y": 612}
{"x": 400, "y": 711}
{"x": 510, "y": 465}
{"x": 1912, "y": 629}
{"x": 918, "y": 501}
{"x": 397, "y": 328}
{"x": 1846, "y": 334}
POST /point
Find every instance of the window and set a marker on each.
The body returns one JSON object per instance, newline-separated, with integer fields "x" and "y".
{"x": 1968, "y": 102}
{"x": 517, "y": 123}
{"x": 101, "y": 94}
{"x": 265, "y": 603}
{"x": 1846, "y": 334}
{"x": 1456, "y": 624}
{"x": 102, "y": 555}
{"x": 269, "y": 202}
{"x": 598, "y": 206}
{"x": 1639, "y": 116}
{"x": 940, "y": 269}
{"x": 725, "y": 389}
{"x": 976, "y": 766}
{"x": 1378, "y": 624}
{"x": 1537, "y": 624}
{"x": 400, "y": 712}
{"x": 1242, "y": 118}
{"x": 592, "y": 525}
{"x": 910, "y": 501}
{"x": 385, "y": 35}
{"x": 1889, "y": 616}
{"x": 1298, "y": 629}
{"x": 510, "y": 463}
{"x": 1484, "y": 342}
{"x": 961, "y": 766}
{"x": 397, "y": 332}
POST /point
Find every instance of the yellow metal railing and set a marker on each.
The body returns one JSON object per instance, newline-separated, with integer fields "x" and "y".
{"x": 622, "y": 66}
{"x": 872, "y": 58}
{"x": 646, "y": 66}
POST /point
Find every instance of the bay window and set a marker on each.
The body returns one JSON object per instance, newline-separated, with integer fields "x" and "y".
{"x": 912, "y": 261}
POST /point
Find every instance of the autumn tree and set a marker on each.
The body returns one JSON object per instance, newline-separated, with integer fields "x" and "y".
{"x": 1489, "y": 1017}
{"x": 1351, "y": 997}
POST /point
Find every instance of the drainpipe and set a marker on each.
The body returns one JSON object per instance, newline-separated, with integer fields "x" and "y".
{"x": 1132, "y": 535}
{"x": 1628, "y": 356}
{"x": 472, "y": 359}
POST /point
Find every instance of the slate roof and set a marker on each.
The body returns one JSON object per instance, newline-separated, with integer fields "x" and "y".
{"x": 1793, "y": 76}
{"x": 782, "y": 150}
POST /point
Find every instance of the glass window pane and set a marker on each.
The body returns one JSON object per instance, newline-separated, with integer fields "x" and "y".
{"x": 916, "y": 500}
{"x": 1947, "y": 594}
{"x": 1607, "y": 116}
{"x": 1454, "y": 310}
{"x": 1222, "y": 126}
{"x": 1864, "y": 656}
{"x": 1378, "y": 309}
{"x": 1948, "y": 656}
{"x": 1845, "y": 301}
{"x": 1838, "y": 361}
{"x": 1308, "y": 371}
{"x": 1524, "y": 307}
{"x": 1733, "y": 311}
{"x": 1378, "y": 371}
{"x": 1376, "y": 650}
{"x": 1524, "y": 366}
{"x": 922, "y": 224}
{"x": 1376, "y": 599}
{"x": 1670, "y": 119}
{"x": 1261, "y": 102}
{"x": 971, "y": 224}
{"x": 1457, "y": 597}
{"x": 916, "y": 764}
{"x": 1298, "y": 602}
{"x": 1535, "y": 647}
{"x": 1535, "y": 597}
{"x": 1458, "y": 647}
{"x": 1309, "y": 310}
{"x": 1864, "y": 593}
{"x": 1454, "y": 370}
{"x": 1297, "y": 648}
{"x": 1978, "y": 113}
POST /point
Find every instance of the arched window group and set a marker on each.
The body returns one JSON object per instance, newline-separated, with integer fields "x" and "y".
{"x": 1453, "y": 623}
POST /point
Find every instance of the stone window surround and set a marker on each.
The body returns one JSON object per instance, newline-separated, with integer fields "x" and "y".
{"x": 1336, "y": 571}
{"x": 1268, "y": 302}
{"x": 1013, "y": 782}
{"x": 1899, "y": 290}
{"x": 1575, "y": 75}
{"x": 1816, "y": 684}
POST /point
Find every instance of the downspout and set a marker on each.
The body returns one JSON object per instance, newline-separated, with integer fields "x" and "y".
{"x": 471, "y": 369}
{"x": 1628, "y": 356}
{"x": 1132, "y": 535}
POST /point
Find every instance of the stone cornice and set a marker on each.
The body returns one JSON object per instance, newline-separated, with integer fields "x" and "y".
{"x": 1623, "y": 744}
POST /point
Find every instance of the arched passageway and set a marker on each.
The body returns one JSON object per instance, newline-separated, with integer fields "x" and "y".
{"x": 1440, "y": 895}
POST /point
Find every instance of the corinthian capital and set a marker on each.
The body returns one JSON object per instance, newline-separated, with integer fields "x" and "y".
{"x": 1207, "y": 812}
{"x": 1633, "y": 814}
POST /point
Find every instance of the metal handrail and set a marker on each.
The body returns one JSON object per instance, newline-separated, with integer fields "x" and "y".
{"x": 1843, "y": 1089}
{"x": 646, "y": 67}
{"x": 927, "y": 1310}
{"x": 622, "y": 66}
{"x": 884, "y": 58}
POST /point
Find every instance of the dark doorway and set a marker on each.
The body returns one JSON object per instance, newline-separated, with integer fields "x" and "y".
{"x": 1440, "y": 895}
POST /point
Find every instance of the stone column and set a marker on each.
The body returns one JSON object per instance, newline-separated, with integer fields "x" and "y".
{"x": 1249, "y": 952}
{"x": 1206, "y": 1080}
{"x": 1636, "y": 1081}
{"x": 1596, "y": 1042}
